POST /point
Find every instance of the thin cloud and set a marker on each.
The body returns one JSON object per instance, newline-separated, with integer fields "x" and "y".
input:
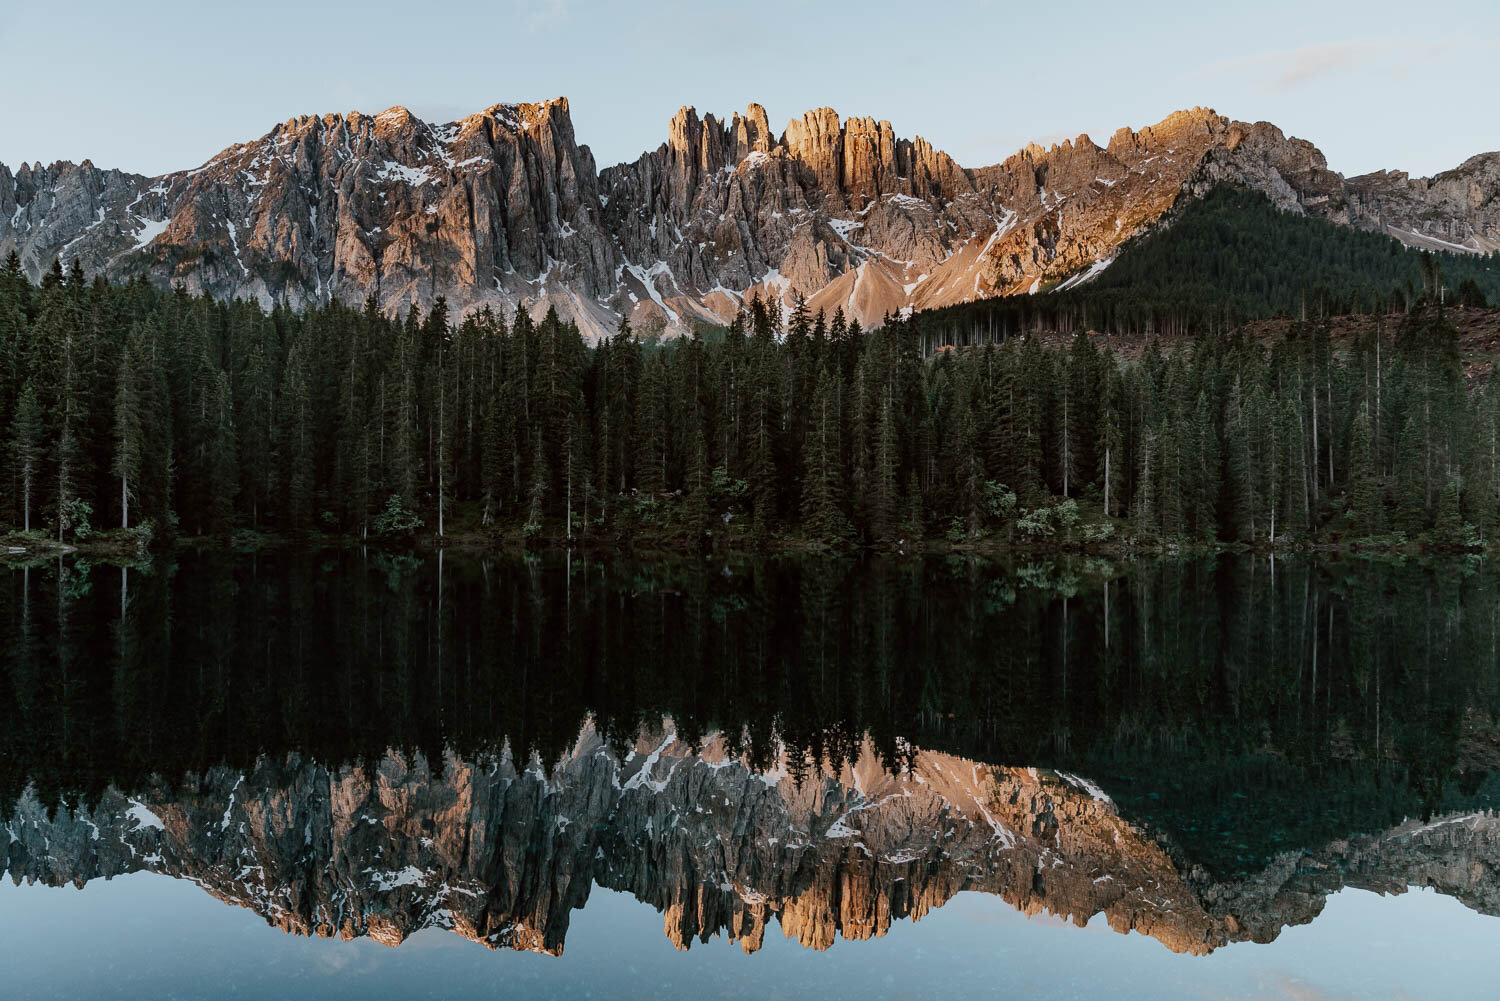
{"x": 1302, "y": 66}
{"x": 1286, "y": 70}
{"x": 546, "y": 14}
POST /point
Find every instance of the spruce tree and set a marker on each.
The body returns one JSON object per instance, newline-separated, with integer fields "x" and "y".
{"x": 26, "y": 448}
{"x": 129, "y": 434}
{"x": 223, "y": 471}
{"x": 1367, "y": 509}
{"x": 822, "y": 484}
{"x": 885, "y": 499}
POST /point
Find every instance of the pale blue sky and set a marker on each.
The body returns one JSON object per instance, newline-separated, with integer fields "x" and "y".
{"x": 155, "y": 85}
{"x": 144, "y": 931}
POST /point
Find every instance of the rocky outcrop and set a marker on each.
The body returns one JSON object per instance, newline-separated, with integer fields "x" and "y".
{"x": 343, "y": 206}
{"x": 506, "y": 209}
{"x": 843, "y": 212}
{"x": 503, "y": 854}
{"x": 1458, "y": 209}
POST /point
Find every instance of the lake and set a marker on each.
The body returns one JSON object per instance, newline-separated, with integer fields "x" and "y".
{"x": 353, "y": 774}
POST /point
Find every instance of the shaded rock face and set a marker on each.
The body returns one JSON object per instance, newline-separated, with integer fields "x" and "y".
{"x": 1457, "y": 210}
{"x": 506, "y": 209}
{"x": 503, "y": 855}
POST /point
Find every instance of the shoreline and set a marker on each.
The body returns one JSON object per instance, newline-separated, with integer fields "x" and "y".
{"x": 16, "y": 548}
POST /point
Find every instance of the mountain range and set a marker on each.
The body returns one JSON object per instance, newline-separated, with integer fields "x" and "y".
{"x": 503, "y": 851}
{"x": 506, "y": 208}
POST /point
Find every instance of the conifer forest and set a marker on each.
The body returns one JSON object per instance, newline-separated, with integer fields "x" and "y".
{"x": 164, "y": 414}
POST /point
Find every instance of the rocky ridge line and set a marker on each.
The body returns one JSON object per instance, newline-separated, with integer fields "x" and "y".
{"x": 505, "y": 208}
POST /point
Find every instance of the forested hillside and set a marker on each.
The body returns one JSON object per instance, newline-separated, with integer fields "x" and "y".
{"x": 164, "y": 413}
{"x": 1225, "y": 259}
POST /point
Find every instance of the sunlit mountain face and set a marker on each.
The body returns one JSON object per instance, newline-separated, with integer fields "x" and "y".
{"x": 506, "y": 208}
{"x": 361, "y": 745}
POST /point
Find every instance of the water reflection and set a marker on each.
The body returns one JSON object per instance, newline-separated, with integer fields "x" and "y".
{"x": 362, "y": 746}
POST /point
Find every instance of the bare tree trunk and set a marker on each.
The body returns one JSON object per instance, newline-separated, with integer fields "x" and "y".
{"x": 441, "y": 456}
{"x": 1330, "y": 433}
{"x": 1106, "y": 486}
{"x": 1315, "y": 445}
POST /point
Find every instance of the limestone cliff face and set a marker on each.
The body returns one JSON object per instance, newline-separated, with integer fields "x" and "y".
{"x": 843, "y": 212}
{"x": 503, "y": 854}
{"x": 506, "y": 209}
{"x": 500, "y": 208}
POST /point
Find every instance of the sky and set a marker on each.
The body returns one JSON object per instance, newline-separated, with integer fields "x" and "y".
{"x": 154, "y": 86}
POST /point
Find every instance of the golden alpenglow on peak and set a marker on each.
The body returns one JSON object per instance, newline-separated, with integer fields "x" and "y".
{"x": 852, "y": 216}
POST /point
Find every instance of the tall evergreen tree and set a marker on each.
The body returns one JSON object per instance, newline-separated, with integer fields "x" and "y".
{"x": 26, "y": 444}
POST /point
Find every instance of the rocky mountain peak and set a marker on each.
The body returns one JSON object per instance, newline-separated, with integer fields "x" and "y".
{"x": 505, "y": 208}
{"x": 752, "y": 133}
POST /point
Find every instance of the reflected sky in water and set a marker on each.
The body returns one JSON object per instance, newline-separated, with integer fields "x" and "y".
{"x": 146, "y": 936}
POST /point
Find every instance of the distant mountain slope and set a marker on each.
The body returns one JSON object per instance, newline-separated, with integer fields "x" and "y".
{"x": 1230, "y": 257}
{"x": 505, "y": 208}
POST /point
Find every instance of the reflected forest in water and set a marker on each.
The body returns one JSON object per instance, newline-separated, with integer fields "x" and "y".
{"x": 1238, "y": 706}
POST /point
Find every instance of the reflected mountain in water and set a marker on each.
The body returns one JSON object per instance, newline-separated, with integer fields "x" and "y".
{"x": 1201, "y": 751}
{"x": 503, "y": 855}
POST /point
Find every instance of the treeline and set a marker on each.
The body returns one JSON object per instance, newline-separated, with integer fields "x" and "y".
{"x": 1226, "y": 259}
{"x": 164, "y": 412}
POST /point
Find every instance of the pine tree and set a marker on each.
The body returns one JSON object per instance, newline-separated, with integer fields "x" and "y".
{"x": 822, "y": 484}
{"x": 1367, "y": 508}
{"x": 1145, "y": 507}
{"x": 1030, "y": 398}
{"x": 404, "y": 423}
{"x": 578, "y": 488}
{"x": 885, "y": 499}
{"x": 1111, "y": 450}
{"x": 298, "y": 431}
{"x": 129, "y": 434}
{"x": 26, "y": 448}
{"x": 1244, "y": 435}
{"x": 1411, "y": 480}
{"x": 256, "y": 413}
{"x": 652, "y": 426}
{"x": 913, "y": 519}
{"x": 1448, "y": 525}
{"x": 541, "y": 478}
{"x": 1204, "y": 472}
{"x": 698, "y": 479}
{"x": 501, "y": 457}
{"x": 224, "y": 472}
{"x": 1292, "y": 474}
{"x": 972, "y": 493}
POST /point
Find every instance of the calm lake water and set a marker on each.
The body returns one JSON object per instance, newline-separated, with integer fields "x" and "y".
{"x": 353, "y": 774}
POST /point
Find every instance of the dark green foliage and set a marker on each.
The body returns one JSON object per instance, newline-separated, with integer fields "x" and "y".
{"x": 26, "y": 450}
{"x": 1470, "y": 295}
{"x": 173, "y": 410}
{"x": 1235, "y": 250}
{"x": 1225, "y": 259}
